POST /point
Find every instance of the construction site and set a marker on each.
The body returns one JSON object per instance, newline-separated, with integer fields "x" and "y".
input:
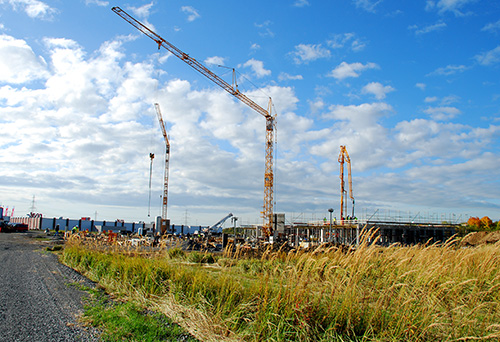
{"x": 347, "y": 229}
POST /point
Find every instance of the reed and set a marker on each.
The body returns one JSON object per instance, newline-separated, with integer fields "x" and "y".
{"x": 419, "y": 293}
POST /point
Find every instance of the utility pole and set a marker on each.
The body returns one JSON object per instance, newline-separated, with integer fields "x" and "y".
{"x": 33, "y": 208}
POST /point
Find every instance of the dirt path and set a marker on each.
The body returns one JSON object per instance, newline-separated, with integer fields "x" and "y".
{"x": 37, "y": 299}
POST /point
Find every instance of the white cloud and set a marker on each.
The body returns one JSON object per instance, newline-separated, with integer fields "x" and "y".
{"x": 143, "y": 11}
{"x": 191, "y": 12}
{"x": 301, "y": 3}
{"x": 97, "y": 2}
{"x": 33, "y": 8}
{"x": 257, "y": 67}
{"x": 442, "y": 113}
{"x": 492, "y": 27}
{"x": 357, "y": 127}
{"x": 490, "y": 57}
{"x": 367, "y": 5}
{"x": 305, "y": 53}
{"x": 215, "y": 60}
{"x": 18, "y": 62}
{"x": 440, "y": 141}
{"x": 364, "y": 115}
{"x": 345, "y": 70}
{"x": 316, "y": 105}
{"x": 442, "y": 6}
{"x": 341, "y": 40}
{"x": 285, "y": 77}
{"x": 265, "y": 30}
{"x": 420, "y": 86}
{"x": 255, "y": 47}
{"x": 377, "y": 89}
{"x": 449, "y": 70}
{"x": 447, "y": 100}
{"x": 427, "y": 29}
{"x": 358, "y": 45}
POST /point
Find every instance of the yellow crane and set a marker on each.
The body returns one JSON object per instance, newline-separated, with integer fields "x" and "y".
{"x": 164, "y": 223}
{"x": 233, "y": 90}
{"x": 344, "y": 157}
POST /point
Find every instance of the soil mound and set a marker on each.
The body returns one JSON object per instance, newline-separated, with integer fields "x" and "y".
{"x": 480, "y": 238}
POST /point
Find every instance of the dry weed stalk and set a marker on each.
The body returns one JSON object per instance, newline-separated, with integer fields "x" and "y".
{"x": 422, "y": 292}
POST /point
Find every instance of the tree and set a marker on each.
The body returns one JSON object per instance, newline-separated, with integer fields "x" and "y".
{"x": 487, "y": 223}
{"x": 475, "y": 223}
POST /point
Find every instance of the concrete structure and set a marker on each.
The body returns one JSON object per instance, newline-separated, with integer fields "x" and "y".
{"x": 381, "y": 233}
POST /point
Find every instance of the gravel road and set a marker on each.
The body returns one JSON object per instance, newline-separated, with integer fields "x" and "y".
{"x": 37, "y": 302}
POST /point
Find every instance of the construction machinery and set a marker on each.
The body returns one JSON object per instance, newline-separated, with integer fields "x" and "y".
{"x": 218, "y": 225}
{"x": 151, "y": 156}
{"x": 232, "y": 89}
{"x": 164, "y": 222}
{"x": 344, "y": 158}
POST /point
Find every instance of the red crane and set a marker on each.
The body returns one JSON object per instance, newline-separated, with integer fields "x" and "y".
{"x": 233, "y": 90}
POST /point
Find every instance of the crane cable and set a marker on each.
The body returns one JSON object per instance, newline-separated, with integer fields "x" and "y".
{"x": 151, "y": 155}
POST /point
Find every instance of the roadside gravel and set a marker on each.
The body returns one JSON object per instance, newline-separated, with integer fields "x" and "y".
{"x": 37, "y": 299}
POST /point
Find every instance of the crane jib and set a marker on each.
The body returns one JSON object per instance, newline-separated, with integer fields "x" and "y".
{"x": 190, "y": 61}
{"x": 267, "y": 214}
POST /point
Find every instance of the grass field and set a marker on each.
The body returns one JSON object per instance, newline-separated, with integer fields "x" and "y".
{"x": 419, "y": 293}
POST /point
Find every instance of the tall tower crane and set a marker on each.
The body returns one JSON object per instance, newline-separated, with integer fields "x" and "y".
{"x": 344, "y": 157}
{"x": 233, "y": 90}
{"x": 164, "y": 223}
{"x": 151, "y": 156}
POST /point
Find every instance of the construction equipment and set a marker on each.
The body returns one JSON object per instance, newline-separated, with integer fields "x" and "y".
{"x": 233, "y": 90}
{"x": 344, "y": 157}
{"x": 164, "y": 223}
{"x": 218, "y": 224}
{"x": 151, "y": 156}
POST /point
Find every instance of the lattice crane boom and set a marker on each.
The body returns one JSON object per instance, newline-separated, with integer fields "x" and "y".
{"x": 344, "y": 157}
{"x": 164, "y": 224}
{"x": 233, "y": 90}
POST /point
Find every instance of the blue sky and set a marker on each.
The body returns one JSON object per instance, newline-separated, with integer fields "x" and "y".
{"x": 411, "y": 88}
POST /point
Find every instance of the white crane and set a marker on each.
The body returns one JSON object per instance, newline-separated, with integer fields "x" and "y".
{"x": 164, "y": 223}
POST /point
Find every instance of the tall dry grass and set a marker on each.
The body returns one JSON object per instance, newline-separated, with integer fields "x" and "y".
{"x": 419, "y": 293}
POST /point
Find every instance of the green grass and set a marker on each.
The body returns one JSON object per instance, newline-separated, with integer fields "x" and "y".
{"x": 54, "y": 248}
{"x": 420, "y": 293}
{"x": 127, "y": 321}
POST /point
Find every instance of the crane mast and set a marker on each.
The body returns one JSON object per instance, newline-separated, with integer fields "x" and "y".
{"x": 164, "y": 224}
{"x": 344, "y": 157}
{"x": 233, "y": 90}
